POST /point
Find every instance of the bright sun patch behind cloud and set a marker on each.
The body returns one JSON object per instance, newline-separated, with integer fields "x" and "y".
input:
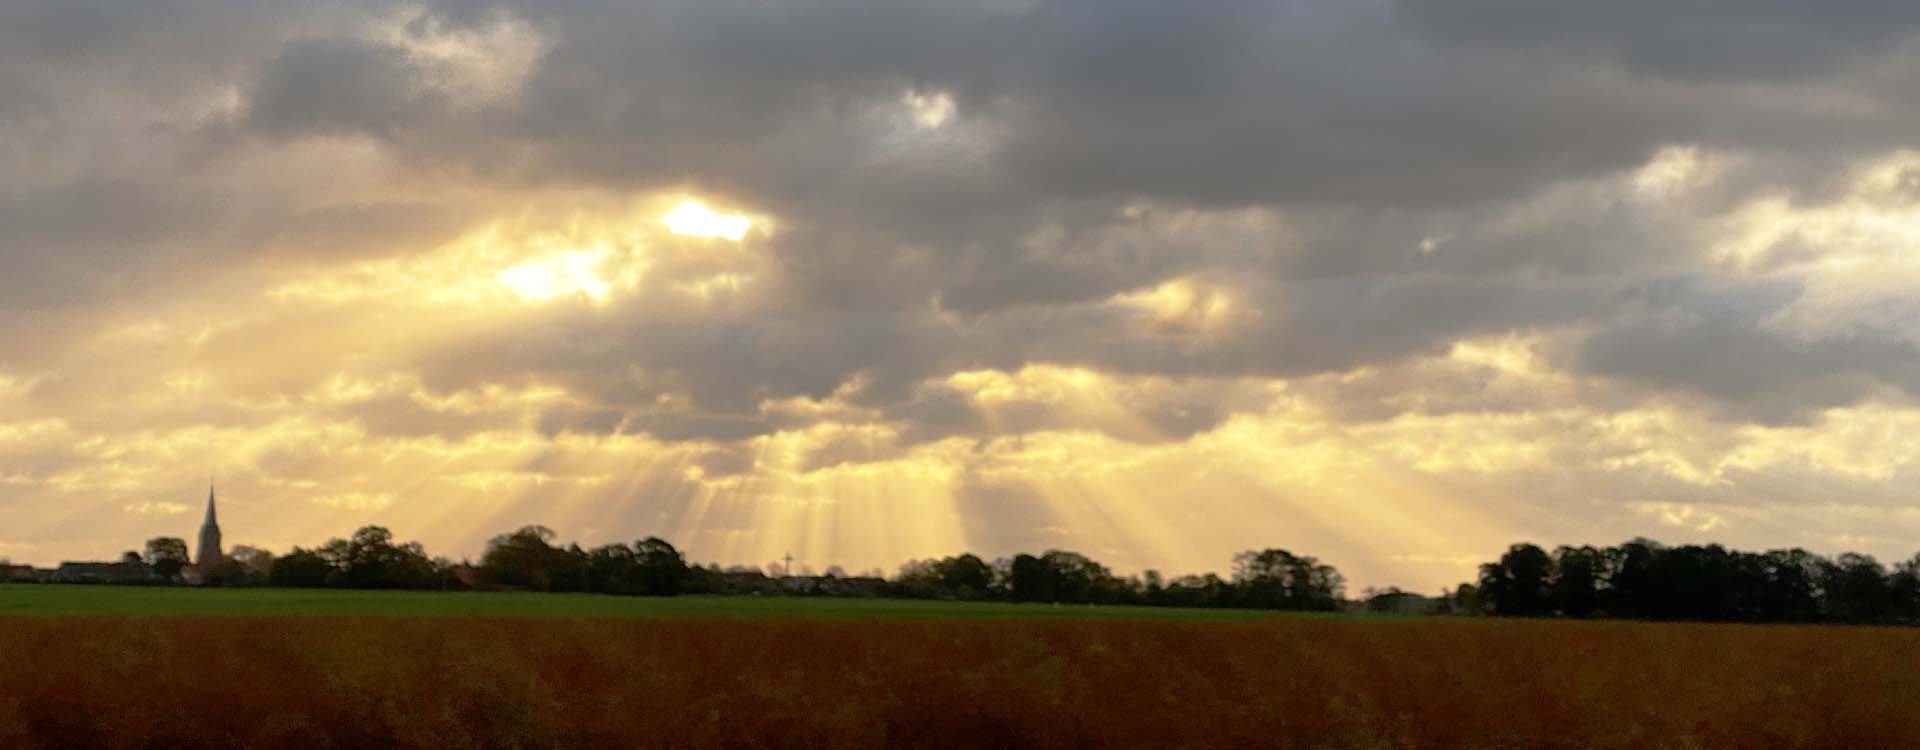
{"x": 694, "y": 219}
{"x": 548, "y": 277}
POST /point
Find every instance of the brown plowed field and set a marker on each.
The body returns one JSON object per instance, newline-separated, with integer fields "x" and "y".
{"x": 383, "y": 682}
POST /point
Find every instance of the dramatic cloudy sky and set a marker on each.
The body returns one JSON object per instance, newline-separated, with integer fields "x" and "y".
{"x": 1390, "y": 283}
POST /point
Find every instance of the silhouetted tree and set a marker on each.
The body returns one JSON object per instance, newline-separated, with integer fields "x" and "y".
{"x": 257, "y": 562}
{"x": 1576, "y": 580}
{"x": 1790, "y": 586}
{"x": 1693, "y": 583}
{"x": 1519, "y": 584}
{"x": 168, "y": 556}
{"x": 371, "y": 559}
{"x": 965, "y": 576}
{"x": 228, "y": 572}
{"x": 650, "y": 567}
{"x": 917, "y": 579}
{"x": 1031, "y": 579}
{"x": 1465, "y": 600}
{"x": 1207, "y": 590}
{"x": 1078, "y": 579}
{"x": 1260, "y": 579}
{"x": 1153, "y": 586}
{"x": 1633, "y": 583}
{"x": 519, "y": 558}
{"x": 1904, "y": 590}
{"x": 567, "y": 568}
{"x": 1857, "y": 589}
{"x": 301, "y": 568}
{"x": 1278, "y": 579}
{"x": 1643, "y": 579}
{"x": 611, "y": 569}
{"x": 662, "y": 569}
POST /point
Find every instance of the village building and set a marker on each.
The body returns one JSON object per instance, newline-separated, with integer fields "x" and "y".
{"x": 1397, "y": 602}
{"x": 19, "y": 573}
{"x": 131, "y": 570}
{"x": 125, "y": 571}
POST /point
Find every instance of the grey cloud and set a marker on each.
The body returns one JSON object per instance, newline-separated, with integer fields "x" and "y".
{"x": 67, "y": 244}
{"x": 96, "y": 30}
{"x": 399, "y": 416}
{"x": 1685, "y": 39}
{"x": 1336, "y": 324}
{"x": 334, "y": 86}
{"x": 359, "y": 230}
{"x": 1235, "y": 102}
{"x": 847, "y": 448}
{"x": 725, "y": 461}
{"x": 992, "y": 242}
{"x": 1713, "y": 340}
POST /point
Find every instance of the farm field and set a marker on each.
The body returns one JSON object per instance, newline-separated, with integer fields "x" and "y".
{"x": 52, "y": 600}
{"x": 720, "y": 678}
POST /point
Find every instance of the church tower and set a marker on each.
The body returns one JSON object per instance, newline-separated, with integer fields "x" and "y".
{"x": 209, "y": 556}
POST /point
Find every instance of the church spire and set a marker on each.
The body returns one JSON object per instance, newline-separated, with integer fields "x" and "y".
{"x": 209, "y": 557}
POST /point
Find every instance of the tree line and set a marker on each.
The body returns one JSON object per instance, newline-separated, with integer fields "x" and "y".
{"x": 530, "y": 559}
{"x": 1266, "y": 579}
{"x": 1642, "y": 579}
{"x": 1639, "y": 579}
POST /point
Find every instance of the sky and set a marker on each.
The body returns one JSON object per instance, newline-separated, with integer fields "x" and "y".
{"x": 1390, "y": 283}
